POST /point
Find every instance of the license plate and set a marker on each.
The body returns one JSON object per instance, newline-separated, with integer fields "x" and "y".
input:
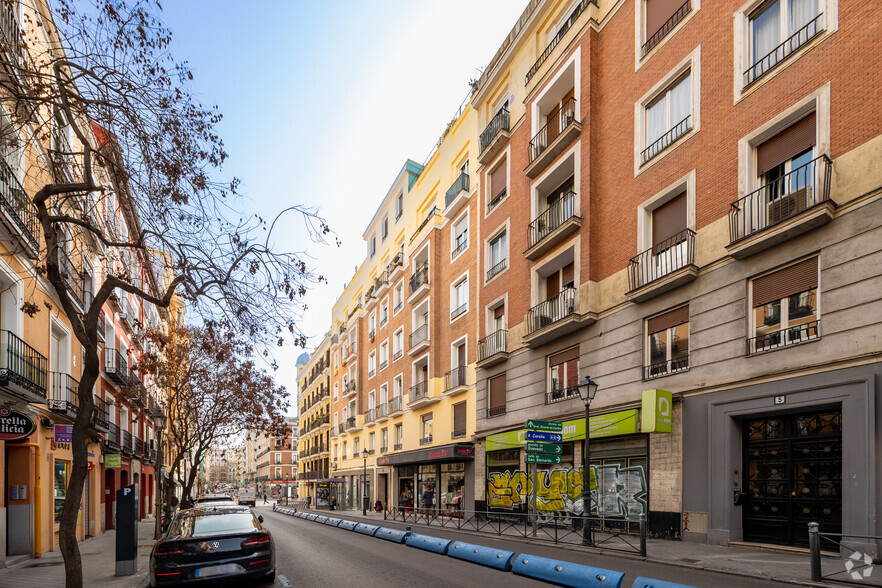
{"x": 218, "y": 570}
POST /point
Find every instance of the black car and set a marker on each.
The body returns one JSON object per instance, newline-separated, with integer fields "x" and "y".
{"x": 212, "y": 543}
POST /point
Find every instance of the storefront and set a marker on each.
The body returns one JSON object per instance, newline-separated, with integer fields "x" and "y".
{"x": 440, "y": 478}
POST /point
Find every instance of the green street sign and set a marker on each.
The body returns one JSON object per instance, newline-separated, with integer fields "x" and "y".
{"x": 551, "y": 426}
{"x": 544, "y": 459}
{"x": 552, "y": 448}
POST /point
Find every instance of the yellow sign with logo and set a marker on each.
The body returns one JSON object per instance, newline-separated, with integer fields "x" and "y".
{"x": 658, "y": 405}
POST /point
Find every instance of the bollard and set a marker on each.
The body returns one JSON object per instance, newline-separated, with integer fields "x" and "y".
{"x": 815, "y": 551}
{"x": 643, "y": 534}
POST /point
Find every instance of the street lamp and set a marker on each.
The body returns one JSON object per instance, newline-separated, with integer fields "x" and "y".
{"x": 364, "y": 498}
{"x": 159, "y": 423}
{"x": 286, "y": 489}
{"x": 587, "y": 390}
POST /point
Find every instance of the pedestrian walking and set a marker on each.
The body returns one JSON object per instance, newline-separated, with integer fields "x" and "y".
{"x": 264, "y": 497}
{"x": 308, "y": 501}
{"x": 333, "y": 503}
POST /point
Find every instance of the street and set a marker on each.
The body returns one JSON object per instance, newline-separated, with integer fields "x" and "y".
{"x": 311, "y": 554}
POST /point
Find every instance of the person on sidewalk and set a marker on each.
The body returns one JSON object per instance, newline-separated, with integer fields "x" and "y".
{"x": 308, "y": 501}
{"x": 264, "y": 497}
{"x": 333, "y": 503}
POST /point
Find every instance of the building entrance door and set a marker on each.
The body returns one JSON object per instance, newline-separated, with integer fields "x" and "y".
{"x": 793, "y": 475}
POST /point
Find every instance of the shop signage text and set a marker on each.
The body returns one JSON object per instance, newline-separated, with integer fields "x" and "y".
{"x": 112, "y": 460}
{"x": 545, "y": 459}
{"x": 552, "y": 448}
{"x": 15, "y": 425}
{"x": 550, "y": 426}
{"x": 541, "y": 436}
{"x": 64, "y": 433}
{"x": 623, "y": 422}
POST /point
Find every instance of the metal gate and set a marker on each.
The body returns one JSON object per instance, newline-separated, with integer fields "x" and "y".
{"x": 793, "y": 471}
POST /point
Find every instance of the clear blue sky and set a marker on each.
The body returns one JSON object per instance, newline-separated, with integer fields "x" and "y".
{"x": 323, "y": 101}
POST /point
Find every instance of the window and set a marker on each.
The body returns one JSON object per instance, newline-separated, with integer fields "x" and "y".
{"x": 384, "y": 440}
{"x": 372, "y": 442}
{"x": 464, "y": 168}
{"x": 426, "y": 429}
{"x": 372, "y": 247}
{"x": 459, "y": 420}
{"x": 497, "y": 318}
{"x": 498, "y": 185}
{"x": 336, "y": 359}
{"x": 668, "y": 117}
{"x": 777, "y": 29}
{"x": 498, "y": 254}
{"x": 372, "y": 326}
{"x": 336, "y": 390}
{"x": 278, "y": 475}
{"x": 384, "y": 229}
{"x": 496, "y": 392}
{"x": 667, "y": 345}
{"x": 460, "y": 235}
{"x": 336, "y": 420}
{"x": 344, "y": 450}
{"x": 372, "y": 364}
{"x": 356, "y": 447}
{"x": 399, "y": 205}
{"x": 397, "y": 387}
{"x": 278, "y": 458}
{"x": 398, "y": 344}
{"x": 661, "y": 17}
{"x": 785, "y": 307}
{"x": 398, "y": 298}
{"x": 399, "y": 436}
{"x": 459, "y": 301}
{"x": 335, "y": 445}
{"x": 786, "y": 173}
{"x": 384, "y": 311}
{"x": 384, "y": 355}
{"x": 563, "y": 370}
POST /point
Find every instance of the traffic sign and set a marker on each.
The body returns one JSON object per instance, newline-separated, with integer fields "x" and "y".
{"x": 551, "y": 426}
{"x": 552, "y": 448}
{"x": 549, "y": 437}
{"x": 545, "y": 459}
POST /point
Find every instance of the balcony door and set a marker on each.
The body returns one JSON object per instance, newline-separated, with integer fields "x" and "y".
{"x": 669, "y": 223}
{"x": 785, "y": 171}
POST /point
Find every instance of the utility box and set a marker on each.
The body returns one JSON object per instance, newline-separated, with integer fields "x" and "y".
{"x": 127, "y": 509}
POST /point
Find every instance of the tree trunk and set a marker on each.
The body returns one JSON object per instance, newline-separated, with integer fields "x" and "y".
{"x": 67, "y": 531}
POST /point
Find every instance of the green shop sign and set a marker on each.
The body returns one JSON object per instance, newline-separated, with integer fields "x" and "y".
{"x": 623, "y": 422}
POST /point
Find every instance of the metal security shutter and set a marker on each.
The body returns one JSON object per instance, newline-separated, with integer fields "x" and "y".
{"x": 658, "y": 12}
{"x": 497, "y": 181}
{"x": 669, "y": 219}
{"x": 459, "y": 416}
{"x": 790, "y": 142}
{"x": 564, "y": 356}
{"x": 678, "y": 316}
{"x": 790, "y": 280}
{"x": 497, "y": 391}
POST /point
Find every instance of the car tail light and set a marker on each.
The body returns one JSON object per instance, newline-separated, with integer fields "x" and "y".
{"x": 255, "y": 541}
{"x": 168, "y": 550}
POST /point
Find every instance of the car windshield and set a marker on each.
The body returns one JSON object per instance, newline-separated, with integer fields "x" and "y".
{"x": 188, "y": 525}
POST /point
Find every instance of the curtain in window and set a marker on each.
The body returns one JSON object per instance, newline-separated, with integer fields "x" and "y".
{"x": 681, "y": 102}
{"x": 765, "y": 31}
{"x": 655, "y": 121}
{"x": 497, "y": 250}
{"x": 801, "y": 12}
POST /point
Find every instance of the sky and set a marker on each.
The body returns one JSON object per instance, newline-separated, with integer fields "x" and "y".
{"x": 323, "y": 101}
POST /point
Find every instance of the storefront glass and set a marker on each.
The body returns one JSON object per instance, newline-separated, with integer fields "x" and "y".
{"x": 60, "y": 487}
{"x": 452, "y": 486}
{"x": 428, "y": 487}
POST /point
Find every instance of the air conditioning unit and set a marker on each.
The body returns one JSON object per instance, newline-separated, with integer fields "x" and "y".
{"x": 790, "y": 204}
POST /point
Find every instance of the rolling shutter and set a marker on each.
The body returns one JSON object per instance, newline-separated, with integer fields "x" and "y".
{"x": 672, "y": 318}
{"x": 497, "y": 181}
{"x": 658, "y": 12}
{"x": 785, "y": 145}
{"x": 564, "y": 356}
{"x": 790, "y": 280}
{"x": 497, "y": 391}
{"x": 668, "y": 220}
{"x": 459, "y": 416}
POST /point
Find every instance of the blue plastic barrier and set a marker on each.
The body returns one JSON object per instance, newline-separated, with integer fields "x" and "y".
{"x": 347, "y": 524}
{"x": 311, "y": 517}
{"x": 392, "y": 534}
{"x": 321, "y": 519}
{"x": 642, "y": 582}
{"x": 428, "y": 543}
{"x": 303, "y": 515}
{"x": 479, "y": 554}
{"x": 365, "y": 529}
{"x": 332, "y": 521}
{"x": 566, "y": 573}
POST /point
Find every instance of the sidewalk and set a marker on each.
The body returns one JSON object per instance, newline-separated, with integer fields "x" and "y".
{"x": 779, "y": 566}
{"x": 99, "y": 564}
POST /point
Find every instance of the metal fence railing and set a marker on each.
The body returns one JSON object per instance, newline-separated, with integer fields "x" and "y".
{"x": 857, "y": 560}
{"x": 563, "y": 209}
{"x": 667, "y": 257}
{"x": 492, "y": 344}
{"x": 499, "y": 123}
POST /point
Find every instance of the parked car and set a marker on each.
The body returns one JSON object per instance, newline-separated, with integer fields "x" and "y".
{"x": 214, "y": 500}
{"x": 247, "y": 495}
{"x": 211, "y": 543}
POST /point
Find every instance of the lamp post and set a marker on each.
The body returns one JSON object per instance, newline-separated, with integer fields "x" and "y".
{"x": 587, "y": 390}
{"x": 286, "y": 488}
{"x": 159, "y": 423}
{"x": 364, "y": 498}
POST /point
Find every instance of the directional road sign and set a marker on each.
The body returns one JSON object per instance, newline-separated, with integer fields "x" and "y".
{"x": 552, "y": 448}
{"x": 551, "y": 426}
{"x": 546, "y": 459}
{"x": 548, "y": 437}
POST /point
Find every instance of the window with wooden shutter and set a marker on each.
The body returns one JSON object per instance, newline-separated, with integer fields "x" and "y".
{"x": 667, "y": 345}
{"x": 496, "y": 386}
{"x": 785, "y": 307}
{"x": 459, "y": 419}
{"x": 792, "y": 141}
{"x": 669, "y": 221}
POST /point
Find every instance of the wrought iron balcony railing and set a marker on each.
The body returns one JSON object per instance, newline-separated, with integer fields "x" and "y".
{"x": 577, "y": 11}
{"x": 73, "y": 278}
{"x": 784, "y": 337}
{"x": 419, "y": 335}
{"x": 426, "y": 440}
{"x": 667, "y": 26}
{"x": 662, "y": 143}
{"x": 395, "y": 405}
{"x": 664, "y": 368}
{"x": 553, "y": 128}
{"x": 665, "y": 258}
{"x": 563, "y": 209}
{"x": 455, "y": 378}
{"x": 499, "y": 123}
{"x": 419, "y": 391}
{"x": 781, "y": 199}
{"x": 112, "y": 438}
{"x": 560, "y": 394}
{"x": 419, "y": 278}
{"x": 22, "y": 364}
{"x": 459, "y": 310}
{"x": 497, "y": 269}
{"x": 459, "y": 185}
{"x": 62, "y": 394}
{"x": 18, "y": 212}
{"x": 492, "y": 344}
{"x": 552, "y": 310}
{"x": 127, "y": 442}
{"x": 497, "y": 199}
{"x": 116, "y": 366}
{"x": 769, "y": 61}
{"x": 460, "y": 244}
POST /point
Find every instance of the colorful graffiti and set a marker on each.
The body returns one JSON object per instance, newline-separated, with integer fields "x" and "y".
{"x": 621, "y": 491}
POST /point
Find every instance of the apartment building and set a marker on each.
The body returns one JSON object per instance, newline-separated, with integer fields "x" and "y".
{"x": 277, "y": 461}
{"x": 314, "y": 401}
{"x": 671, "y": 194}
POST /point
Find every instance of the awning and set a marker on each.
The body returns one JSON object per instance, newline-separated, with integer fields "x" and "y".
{"x": 452, "y": 452}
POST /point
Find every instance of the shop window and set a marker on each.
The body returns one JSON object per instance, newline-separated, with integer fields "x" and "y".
{"x": 667, "y": 345}
{"x": 459, "y": 420}
{"x": 785, "y": 307}
{"x": 452, "y": 486}
{"x": 60, "y": 487}
{"x": 428, "y": 478}
{"x": 496, "y": 392}
{"x": 564, "y": 375}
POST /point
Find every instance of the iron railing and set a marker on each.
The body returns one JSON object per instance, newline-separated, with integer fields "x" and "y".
{"x": 384, "y": 364}
{"x": 17, "y": 205}
{"x": 499, "y": 123}
{"x": 426, "y": 440}
{"x": 781, "y": 199}
{"x": 667, "y": 27}
{"x": 63, "y": 392}
{"x": 398, "y": 447}
{"x": 784, "y": 337}
{"x": 460, "y": 244}
{"x": 852, "y": 566}
{"x": 397, "y": 355}
{"x": 667, "y": 257}
{"x": 459, "y": 310}
{"x": 458, "y": 433}
{"x": 461, "y": 184}
{"x": 371, "y": 415}
{"x": 419, "y": 335}
{"x": 550, "y": 311}
{"x": 497, "y": 199}
{"x": 563, "y": 209}
{"x": 112, "y": 437}
{"x": 72, "y": 277}
{"x": 553, "y": 128}
{"x": 395, "y": 405}
{"x": 667, "y": 367}
{"x": 139, "y": 446}
{"x": 561, "y": 394}
{"x": 577, "y": 11}
{"x": 455, "y": 378}
{"x": 496, "y": 410}
{"x": 382, "y": 409}
{"x": 115, "y": 366}
{"x": 126, "y": 442}
{"x": 768, "y": 62}
{"x": 350, "y": 422}
{"x": 99, "y": 414}
{"x": 419, "y": 277}
{"x": 662, "y": 143}
{"x": 22, "y": 364}
{"x": 419, "y": 391}
{"x": 496, "y": 269}
{"x": 492, "y": 344}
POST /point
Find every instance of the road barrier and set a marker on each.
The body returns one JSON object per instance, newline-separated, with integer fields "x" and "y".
{"x": 642, "y": 582}
{"x": 333, "y": 522}
{"x": 366, "y": 529}
{"x": 565, "y": 573}
{"x": 486, "y": 556}
{"x": 434, "y": 544}
{"x": 348, "y": 525}
{"x": 393, "y": 535}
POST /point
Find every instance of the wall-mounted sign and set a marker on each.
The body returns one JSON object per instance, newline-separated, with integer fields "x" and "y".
{"x": 15, "y": 425}
{"x": 623, "y": 422}
{"x": 64, "y": 433}
{"x": 657, "y": 408}
{"x": 112, "y": 460}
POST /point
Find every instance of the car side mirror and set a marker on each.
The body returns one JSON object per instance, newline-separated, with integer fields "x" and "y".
{"x": 260, "y": 519}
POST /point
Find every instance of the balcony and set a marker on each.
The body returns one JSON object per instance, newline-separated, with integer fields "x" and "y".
{"x": 455, "y": 381}
{"x": 419, "y": 283}
{"x": 496, "y": 269}
{"x": 396, "y": 406}
{"x": 102, "y": 322}
{"x": 112, "y": 438}
{"x": 72, "y": 278}
{"x": 553, "y": 138}
{"x": 396, "y": 267}
{"x": 667, "y": 27}
{"x": 426, "y": 440}
{"x": 420, "y": 395}
{"x": 419, "y": 340}
{"x": 23, "y": 371}
{"x": 350, "y": 389}
{"x": 381, "y": 284}
{"x": 99, "y": 416}
{"x": 791, "y": 335}
{"x": 115, "y": 367}
{"x": 792, "y": 205}
{"x": 18, "y": 214}
{"x": 398, "y": 447}
{"x": 62, "y": 395}
{"x": 494, "y": 137}
{"x": 666, "y": 368}
{"x": 780, "y": 53}
{"x": 457, "y": 195}
{"x": 577, "y": 11}
{"x": 559, "y": 395}
{"x": 371, "y": 415}
{"x": 551, "y": 227}
{"x": 666, "y": 266}
{"x": 137, "y": 388}
{"x": 459, "y": 311}
{"x": 139, "y": 447}
{"x": 493, "y": 349}
{"x": 552, "y": 318}
{"x": 382, "y": 412}
{"x": 341, "y": 428}
{"x": 126, "y": 445}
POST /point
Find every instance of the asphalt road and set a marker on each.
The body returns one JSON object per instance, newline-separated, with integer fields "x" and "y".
{"x": 309, "y": 554}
